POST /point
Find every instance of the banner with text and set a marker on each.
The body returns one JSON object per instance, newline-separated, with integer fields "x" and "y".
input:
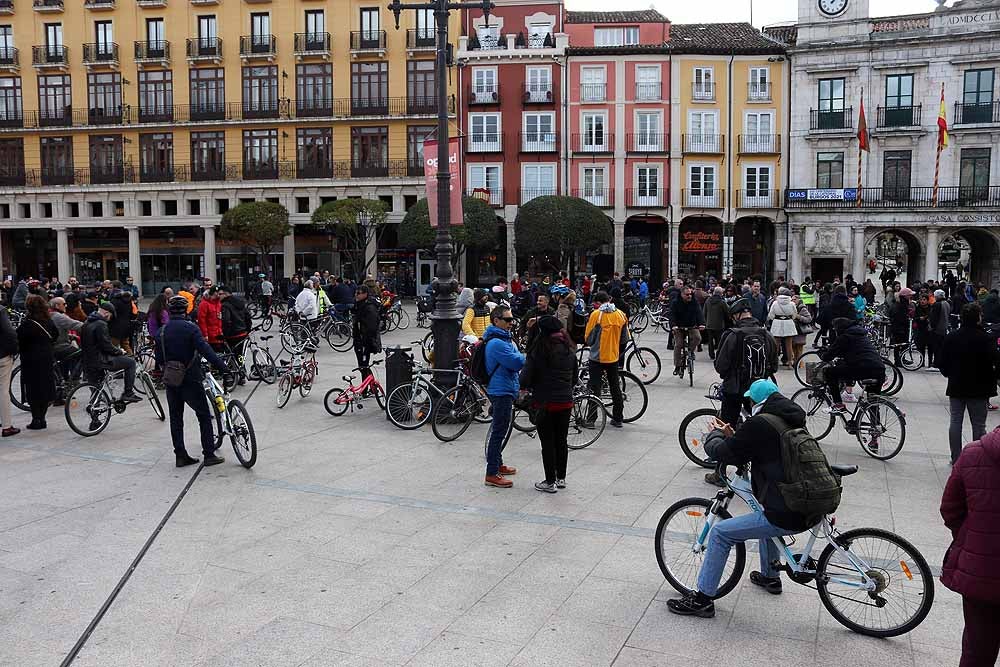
{"x": 431, "y": 181}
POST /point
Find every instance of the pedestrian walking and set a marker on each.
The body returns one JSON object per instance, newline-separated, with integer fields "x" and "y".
{"x": 939, "y": 318}
{"x": 550, "y": 372}
{"x": 803, "y": 325}
{"x": 781, "y": 323}
{"x": 970, "y": 507}
{"x": 364, "y": 329}
{"x": 8, "y": 350}
{"x": 503, "y": 363}
{"x": 606, "y": 334}
{"x": 35, "y": 339}
{"x": 716, "y": 320}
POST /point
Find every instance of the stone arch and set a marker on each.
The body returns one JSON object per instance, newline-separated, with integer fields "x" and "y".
{"x": 907, "y": 263}
{"x": 983, "y": 264}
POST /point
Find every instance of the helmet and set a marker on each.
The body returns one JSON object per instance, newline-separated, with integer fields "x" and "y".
{"x": 559, "y": 290}
{"x": 261, "y": 275}
{"x": 739, "y": 306}
{"x": 177, "y": 305}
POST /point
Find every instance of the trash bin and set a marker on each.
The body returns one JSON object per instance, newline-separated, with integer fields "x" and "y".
{"x": 398, "y": 367}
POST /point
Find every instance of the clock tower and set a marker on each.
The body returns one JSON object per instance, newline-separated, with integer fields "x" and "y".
{"x": 816, "y": 11}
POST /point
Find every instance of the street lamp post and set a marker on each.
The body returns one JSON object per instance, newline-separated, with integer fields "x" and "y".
{"x": 445, "y": 318}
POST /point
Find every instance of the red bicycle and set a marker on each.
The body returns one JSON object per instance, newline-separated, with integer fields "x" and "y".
{"x": 338, "y": 400}
{"x": 299, "y": 372}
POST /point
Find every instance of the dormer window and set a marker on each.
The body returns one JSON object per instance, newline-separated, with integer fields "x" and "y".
{"x": 489, "y": 36}
{"x": 619, "y": 36}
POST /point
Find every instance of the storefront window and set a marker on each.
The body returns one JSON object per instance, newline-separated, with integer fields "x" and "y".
{"x": 700, "y": 251}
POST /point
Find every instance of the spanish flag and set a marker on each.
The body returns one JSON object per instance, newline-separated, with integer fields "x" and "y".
{"x": 863, "y": 144}
{"x": 942, "y": 123}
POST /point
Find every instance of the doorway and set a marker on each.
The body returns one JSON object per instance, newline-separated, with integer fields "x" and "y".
{"x": 425, "y": 270}
{"x": 825, "y": 269}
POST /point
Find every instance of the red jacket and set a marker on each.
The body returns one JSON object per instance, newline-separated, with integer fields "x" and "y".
{"x": 971, "y": 510}
{"x": 210, "y": 319}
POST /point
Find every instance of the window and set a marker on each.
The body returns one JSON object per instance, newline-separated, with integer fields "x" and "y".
{"x": 594, "y": 186}
{"x": 370, "y": 88}
{"x": 12, "y": 161}
{"x": 898, "y": 101}
{"x": 416, "y": 135}
{"x": 758, "y": 134}
{"x": 369, "y": 151}
{"x": 704, "y": 83}
{"x": 54, "y": 99}
{"x": 420, "y": 86}
{"x": 593, "y": 84}
{"x": 484, "y": 85}
{"x": 594, "y": 135}
{"x": 702, "y": 132}
{"x": 896, "y": 176}
{"x": 314, "y": 89}
{"x": 155, "y": 37}
{"x": 539, "y": 132}
{"x": 57, "y": 160}
{"x": 489, "y": 36}
{"x": 701, "y": 185}
{"x": 104, "y": 97}
{"x": 832, "y": 114}
{"x": 314, "y": 152}
{"x": 208, "y": 156}
{"x": 484, "y": 132}
{"x": 106, "y": 159}
{"x": 760, "y": 84}
{"x": 207, "y": 32}
{"x": 647, "y": 131}
{"x": 6, "y": 43}
{"x": 538, "y": 180}
{"x": 425, "y": 27}
{"x": 315, "y": 24}
{"x": 538, "y": 87}
{"x": 104, "y": 38}
{"x": 208, "y": 93}
{"x": 260, "y": 31}
{"x": 647, "y": 83}
{"x": 647, "y": 186}
{"x": 11, "y": 102}
{"x": 156, "y": 157}
{"x": 538, "y": 35}
{"x": 370, "y": 29}
{"x": 54, "y": 40}
{"x": 486, "y": 177}
{"x": 621, "y": 36}
{"x": 974, "y": 177}
{"x": 830, "y": 170}
{"x": 156, "y": 95}
{"x": 260, "y": 91}
{"x": 977, "y": 96}
{"x": 260, "y": 153}
{"x": 757, "y": 187}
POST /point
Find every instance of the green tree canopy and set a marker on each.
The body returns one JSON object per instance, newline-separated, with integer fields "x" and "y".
{"x": 355, "y": 222}
{"x": 561, "y": 226}
{"x": 478, "y": 232}
{"x": 260, "y": 225}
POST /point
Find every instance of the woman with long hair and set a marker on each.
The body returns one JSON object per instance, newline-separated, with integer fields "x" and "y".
{"x": 157, "y": 314}
{"x": 35, "y": 337}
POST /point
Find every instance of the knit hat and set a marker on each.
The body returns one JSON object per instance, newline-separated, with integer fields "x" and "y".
{"x": 549, "y": 324}
{"x": 177, "y": 305}
{"x": 106, "y": 306}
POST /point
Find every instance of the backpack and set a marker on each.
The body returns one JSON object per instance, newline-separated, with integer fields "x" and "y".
{"x": 811, "y": 488}
{"x": 753, "y": 351}
{"x": 477, "y": 364}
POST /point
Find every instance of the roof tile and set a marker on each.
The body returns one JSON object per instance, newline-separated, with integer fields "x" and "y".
{"x": 641, "y": 16}
{"x": 724, "y": 38}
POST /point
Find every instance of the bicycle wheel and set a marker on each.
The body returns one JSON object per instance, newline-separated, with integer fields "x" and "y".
{"x": 692, "y": 432}
{"x": 893, "y": 379}
{"x": 154, "y": 400}
{"x": 17, "y": 390}
{"x": 284, "y": 389}
{"x": 644, "y": 363}
{"x": 146, "y": 359}
{"x": 267, "y": 322}
{"x": 904, "y": 589}
{"x": 404, "y": 320}
{"x": 88, "y": 410}
{"x": 242, "y": 437}
{"x": 338, "y": 336}
{"x": 409, "y": 407}
{"x": 295, "y": 338}
{"x": 587, "y": 421}
{"x": 427, "y": 347}
{"x": 880, "y": 428}
{"x": 521, "y": 421}
{"x": 379, "y": 394}
{"x": 680, "y": 554}
{"x": 811, "y": 357}
{"x": 336, "y": 401}
{"x": 690, "y": 368}
{"x": 911, "y": 358}
{"x": 639, "y": 322}
{"x": 634, "y": 397}
{"x": 484, "y": 409}
{"x": 263, "y": 366}
{"x": 308, "y": 377}
{"x": 452, "y": 413}
{"x": 815, "y": 402}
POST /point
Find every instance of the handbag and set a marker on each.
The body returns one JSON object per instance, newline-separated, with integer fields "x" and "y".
{"x": 174, "y": 372}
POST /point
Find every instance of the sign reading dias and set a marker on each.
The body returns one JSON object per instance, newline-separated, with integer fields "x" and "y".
{"x": 431, "y": 181}
{"x": 823, "y": 194}
{"x": 701, "y": 242}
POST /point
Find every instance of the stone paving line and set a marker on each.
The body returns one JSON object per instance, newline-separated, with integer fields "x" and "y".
{"x": 354, "y": 543}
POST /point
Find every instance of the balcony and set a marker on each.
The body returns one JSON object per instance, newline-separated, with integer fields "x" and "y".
{"x": 648, "y": 142}
{"x": 206, "y": 111}
{"x": 487, "y": 43}
{"x": 6, "y": 6}
{"x": 313, "y": 169}
{"x": 492, "y": 196}
{"x": 58, "y": 175}
{"x": 312, "y": 44}
{"x": 156, "y": 114}
{"x": 258, "y": 46}
{"x": 422, "y": 39}
{"x": 262, "y": 109}
{"x": 200, "y": 3}
{"x": 534, "y": 41}
{"x": 484, "y": 95}
{"x": 950, "y": 197}
{"x": 527, "y": 194}
{"x": 9, "y": 58}
{"x": 367, "y": 41}
{"x": 11, "y": 118}
{"x": 14, "y": 176}
{"x": 593, "y": 92}
{"x": 151, "y": 4}
{"x": 421, "y": 105}
{"x": 157, "y": 173}
{"x": 758, "y": 199}
{"x": 986, "y": 113}
{"x": 887, "y": 118}
{"x": 108, "y": 115}
{"x": 370, "y": 106}
{"x": 157, "y": 52}
{"x": 759, "y": 91}
{"x": 212, "y": 171}
{"x": 836, "y": 120}
{"x": 706, "y": 144}
{"x": 101, "y": 53}
{"x": 593, "y": 142}
{"x": 103, "y": 174}
{"x": 319, "y": 108}
{"x": 373, "y": 168}
{"x": 646, "y": 198}
{"x": 204, "y": 48}
{"x": 599, "y": 197}
{"x": 648, "y": 91}
{"x": 58, "y": 117}
{"x": 538, "y": 142}
{"x": 704, "y": 198}
{"x": 44, "y": 57}
{"x": 99, "y": 5}
{"x": 703, "y": 91}
{"x": 484, "y": 143}
{"x": 48, "y": 5}
{"x": 267, "y": 170}
{"x": 760, "y": 144}
{"x": 539, "y": 93}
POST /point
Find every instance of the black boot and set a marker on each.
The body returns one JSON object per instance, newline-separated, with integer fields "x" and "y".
{"x": 213, "y": 460}
{"x": 185, "y": 460}
{"x": 693, "y": 604}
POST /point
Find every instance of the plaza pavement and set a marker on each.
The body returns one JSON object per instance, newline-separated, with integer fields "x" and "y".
{"x": 354, "y": 543}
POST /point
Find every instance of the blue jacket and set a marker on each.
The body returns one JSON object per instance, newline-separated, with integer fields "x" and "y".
{"x": 643, "y": 290}
{"x": 181, "y": 340}
{"x": 860, "y": 305}
{"x": 503, "y": 362}
{"x": 758, "y": 306}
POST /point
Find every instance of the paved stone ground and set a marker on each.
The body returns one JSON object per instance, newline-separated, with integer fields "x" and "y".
{"x": 354, "y": 543}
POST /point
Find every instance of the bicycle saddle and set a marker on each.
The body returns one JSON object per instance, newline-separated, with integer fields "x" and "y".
{"x": 346, "y": 378}
{"x": 844, "y": 470}
{"x": 871, "y": 382}
{"x": 266, "y": 337}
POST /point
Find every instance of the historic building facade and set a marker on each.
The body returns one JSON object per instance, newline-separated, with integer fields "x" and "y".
{"x": 900, "y": 63}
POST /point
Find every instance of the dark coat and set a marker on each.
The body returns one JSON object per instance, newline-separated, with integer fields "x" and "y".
{"x": 970, "y": 361}
{"x": 181, "y": 340}
{"x": 365, "y": 327}
{"x": 758, "y": 306}
{"x": 991, "y": 309}
{"x": 728, "y": 360}
{"x": 236, "y": 320}
{"x": 855, "y": 348}
{"x": 687, "y": 314}
{"x": 899, "y": 320}
{"x": 716, "y": 313}
{"x": 95, "y": 341}
{"x": 970, "y": 508}
{"x": 8, "y": 336}
{"x": 550, "y": 369}
{"x": 34, "y": 341}
{"x": 121, "y": 325}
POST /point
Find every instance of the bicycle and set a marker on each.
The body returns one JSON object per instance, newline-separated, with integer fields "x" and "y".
{"x": 587, "y": 421}
{"x": 873, "y": 421}
{"x": 696, "y": 426}
{"x": 457, "y": 407}
{"x": 409, "y": 405}
{"x": 338, "y": 400}
{"x": 297, "y": 372}
{"x": 878, "y": 571}
{"x": 262, "y": 365}
{"x": 643, "y": 362}
{"x": 646, "y": 316}
{"x": 66, "y": 373}
{"x": 635, "y": 398}
{"x": 808, "y": 362}
{"x": 89, "y": 407}
{"x": 682, "y": 338}
{"x": 232, "y": 419}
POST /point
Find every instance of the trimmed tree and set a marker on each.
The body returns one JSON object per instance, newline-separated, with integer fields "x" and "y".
{"x": 261, "y": 225}
{"x": 478, "y": 231}
{"x": 561, "y": 226}
{"x": 356, "y": 223}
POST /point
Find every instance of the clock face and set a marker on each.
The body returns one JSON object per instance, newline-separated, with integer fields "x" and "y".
{"x": 832, "y": 7}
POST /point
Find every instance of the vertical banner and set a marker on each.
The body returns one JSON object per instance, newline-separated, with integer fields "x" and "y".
{"x": 431, "y": 184}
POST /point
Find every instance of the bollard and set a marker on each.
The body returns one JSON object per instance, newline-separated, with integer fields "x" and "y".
{"x": 398, "y": 368}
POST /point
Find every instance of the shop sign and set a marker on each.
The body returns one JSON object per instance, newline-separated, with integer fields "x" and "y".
{"x": 636, "y": 269}
{"x": 431, "y": 185}
{"x": 701, "y": 242}
{"x": 966, "y": 217}
{"x": 823, "y": 194}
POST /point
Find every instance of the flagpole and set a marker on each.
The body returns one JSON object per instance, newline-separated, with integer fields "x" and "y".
{"x": 860, "y": 149}
{"x": 937, "y": 161}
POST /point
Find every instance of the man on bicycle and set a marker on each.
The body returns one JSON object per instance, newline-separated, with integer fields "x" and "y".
{"x": 757, "y": 442}
{"x": 858, "y": 357}
{"x": 687, "y": 322}
{"x": 101, "y": 355}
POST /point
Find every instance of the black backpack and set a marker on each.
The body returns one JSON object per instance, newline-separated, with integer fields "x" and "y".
{"x": 477, "y": 363}
{"x": 811, "y": 488}
{"x": 754, "y": 352}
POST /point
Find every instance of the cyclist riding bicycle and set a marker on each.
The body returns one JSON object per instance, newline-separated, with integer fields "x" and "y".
{"x": 757, "y": 442}
{"x": 687, "y": 321}
{"x": 859, "y": 360}
{"x": 101, "y": 355}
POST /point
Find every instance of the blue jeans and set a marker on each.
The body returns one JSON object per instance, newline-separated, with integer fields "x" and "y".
{"x": 727, "y": 533}
{"x": 503, "y": 408}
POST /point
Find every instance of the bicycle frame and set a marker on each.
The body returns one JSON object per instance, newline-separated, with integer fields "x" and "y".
{"x": 213, "y": 389}
{"x": 352, "y": 390}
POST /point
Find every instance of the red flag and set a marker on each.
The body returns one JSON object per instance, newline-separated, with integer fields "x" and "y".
{"x": 863, "y": 129}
